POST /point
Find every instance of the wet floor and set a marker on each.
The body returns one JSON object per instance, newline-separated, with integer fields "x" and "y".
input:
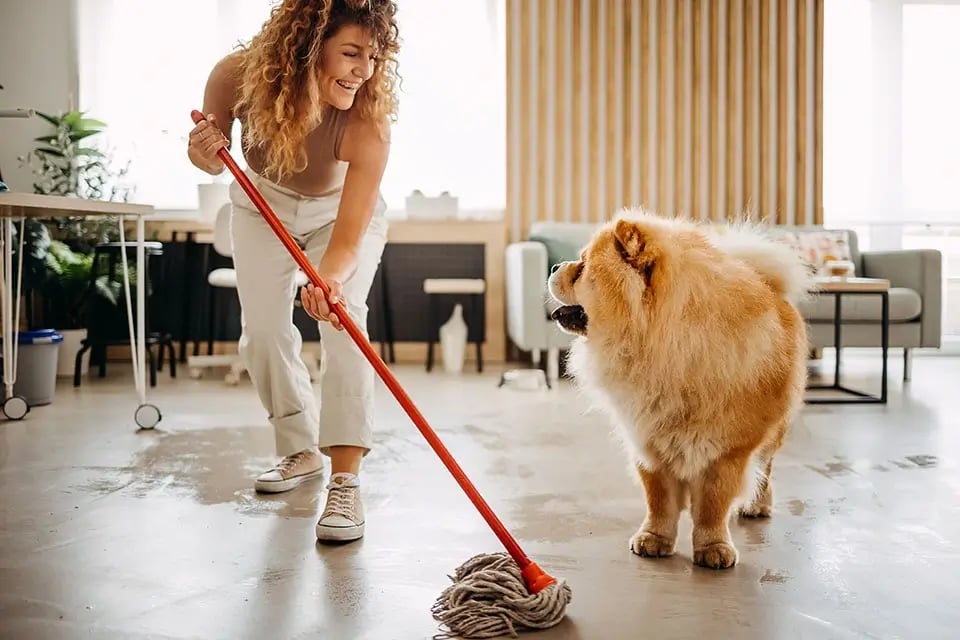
{"x": 110, "y": 533}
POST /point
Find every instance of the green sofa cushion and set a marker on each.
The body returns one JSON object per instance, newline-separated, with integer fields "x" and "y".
{"x": 563, "y": 240}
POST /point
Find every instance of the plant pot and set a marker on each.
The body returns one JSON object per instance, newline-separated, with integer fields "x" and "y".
{"x": 66, "y": 360}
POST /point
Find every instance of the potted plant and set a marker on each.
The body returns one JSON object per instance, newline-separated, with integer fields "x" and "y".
{"x": 66, "y": 163}
{"x": 68, "y": 293}
{"x": 58, "y": 251}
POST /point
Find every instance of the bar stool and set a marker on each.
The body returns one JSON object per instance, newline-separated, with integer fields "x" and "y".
{"x": 474, "y": 289}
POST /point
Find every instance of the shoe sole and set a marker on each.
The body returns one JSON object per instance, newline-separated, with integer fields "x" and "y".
{"x": 279, "y": 486}
{"x": 339, "y": 534}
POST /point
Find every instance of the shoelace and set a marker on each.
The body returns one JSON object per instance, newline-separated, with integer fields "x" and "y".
{"x": 340, "y": 501}
{"x": 291, "y": 461}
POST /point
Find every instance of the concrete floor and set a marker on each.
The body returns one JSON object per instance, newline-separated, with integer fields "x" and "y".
{"x": 110, "y": 533}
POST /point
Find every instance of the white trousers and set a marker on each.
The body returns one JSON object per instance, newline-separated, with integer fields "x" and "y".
{"x": 270, "y": 343}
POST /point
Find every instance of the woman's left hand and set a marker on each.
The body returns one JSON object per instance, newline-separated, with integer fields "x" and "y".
{"x": 315, "y": 303}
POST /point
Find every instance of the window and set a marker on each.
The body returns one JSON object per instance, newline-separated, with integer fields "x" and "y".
{"x": 930, "y": 118}
{"x": 143, "y": 67}
{"x": 891, "y": 129}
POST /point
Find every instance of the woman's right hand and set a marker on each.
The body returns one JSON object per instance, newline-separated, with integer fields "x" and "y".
{"x": 204, "y": 142}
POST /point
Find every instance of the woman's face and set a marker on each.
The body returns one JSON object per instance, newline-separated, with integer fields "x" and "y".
{"x": 347, "y": 62}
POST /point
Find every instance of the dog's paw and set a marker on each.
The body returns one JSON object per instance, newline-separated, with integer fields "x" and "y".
{"x": 718, "y": 555}
{"x": 650, "y": 545}
{"x": 755, "y": 510}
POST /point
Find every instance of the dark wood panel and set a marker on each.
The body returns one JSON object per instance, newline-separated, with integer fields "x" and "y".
{"x": 404, "y": 268}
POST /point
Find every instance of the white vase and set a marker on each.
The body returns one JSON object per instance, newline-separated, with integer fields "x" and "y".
{"x": 453, "y": 341}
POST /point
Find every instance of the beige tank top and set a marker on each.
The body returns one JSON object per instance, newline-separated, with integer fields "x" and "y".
{"x": 325, "y": 170}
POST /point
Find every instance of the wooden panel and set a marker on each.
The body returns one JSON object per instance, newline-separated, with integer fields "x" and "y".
{"x": 702, "y": 108}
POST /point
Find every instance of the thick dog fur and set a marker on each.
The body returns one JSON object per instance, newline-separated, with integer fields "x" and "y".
{"x": 690, "y": 340}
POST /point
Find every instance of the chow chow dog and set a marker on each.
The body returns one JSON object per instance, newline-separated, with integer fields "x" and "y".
{"x": 689, "y": 339}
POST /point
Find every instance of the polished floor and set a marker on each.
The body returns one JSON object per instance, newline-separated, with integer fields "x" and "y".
{"x": 106, "y": 532}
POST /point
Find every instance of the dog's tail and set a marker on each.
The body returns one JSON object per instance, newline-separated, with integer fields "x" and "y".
{"x": 780, "y": 266}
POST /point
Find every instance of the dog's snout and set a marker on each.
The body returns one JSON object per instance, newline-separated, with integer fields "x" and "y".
{"x": 554, "y": 268}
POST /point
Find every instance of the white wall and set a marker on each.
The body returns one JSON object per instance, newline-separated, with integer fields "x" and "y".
{"x": 38, "y": 70}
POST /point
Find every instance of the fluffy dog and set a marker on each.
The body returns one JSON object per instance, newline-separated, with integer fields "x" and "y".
{"x": 690, "y": 340}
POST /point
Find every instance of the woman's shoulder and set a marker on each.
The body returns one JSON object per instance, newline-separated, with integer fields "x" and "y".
{"x": 364, "y": 137}
{"x": 229, "y": 68}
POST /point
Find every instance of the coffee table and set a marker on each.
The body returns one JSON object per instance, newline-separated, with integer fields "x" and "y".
{"x": 839, "y": 287}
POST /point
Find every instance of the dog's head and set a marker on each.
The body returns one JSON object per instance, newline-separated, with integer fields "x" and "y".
{"x": 615, "y": 280}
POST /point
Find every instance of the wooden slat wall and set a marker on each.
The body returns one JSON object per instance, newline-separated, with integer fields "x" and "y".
{"x": 705, "y": 108}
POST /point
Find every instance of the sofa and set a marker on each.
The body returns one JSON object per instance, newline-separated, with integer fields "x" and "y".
{"x": 914, "y": 298}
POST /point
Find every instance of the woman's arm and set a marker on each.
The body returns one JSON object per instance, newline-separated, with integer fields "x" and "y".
{"x": 367, "y": 153}
{"x": 218, "y": 99}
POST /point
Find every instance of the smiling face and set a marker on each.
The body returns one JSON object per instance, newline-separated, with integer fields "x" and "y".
{"x": 348, "y": 60}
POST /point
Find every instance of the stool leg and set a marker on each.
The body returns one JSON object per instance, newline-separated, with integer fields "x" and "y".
{"x": 153, "y": 366}
{"x": 210, "y": 320}
{"x": 173, "y": 361}
{"x": 432, "y": 329}
{"x": 475, "y": 308}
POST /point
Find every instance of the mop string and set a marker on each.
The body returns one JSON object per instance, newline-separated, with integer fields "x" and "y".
{"x": 511, "y": 545}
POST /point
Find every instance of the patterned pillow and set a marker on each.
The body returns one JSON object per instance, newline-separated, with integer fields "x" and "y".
{"x": 818, "y": 247}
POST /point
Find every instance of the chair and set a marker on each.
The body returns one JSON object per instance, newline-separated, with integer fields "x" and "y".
{"x": 226, "y": 278}
{"x": 107, "y": 324}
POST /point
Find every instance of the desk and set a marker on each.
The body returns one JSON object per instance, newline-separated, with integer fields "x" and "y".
{"x": 30, "y": 205}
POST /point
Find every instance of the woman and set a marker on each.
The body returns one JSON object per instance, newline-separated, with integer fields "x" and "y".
{"x": 314, "y": 93}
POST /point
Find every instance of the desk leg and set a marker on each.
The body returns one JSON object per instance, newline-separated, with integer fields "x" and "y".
{"x": 147, "y": 415}
{"x": 14, "y": 407}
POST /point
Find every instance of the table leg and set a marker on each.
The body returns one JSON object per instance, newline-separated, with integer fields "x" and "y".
{"x": 14, "y": 407}
{"x": 884, "y": 342}
{"x": 856, "y": 395}
{"x": 837, "y": 297}
{"x": 147, "y": 415}
{"x": 9, "y": 371}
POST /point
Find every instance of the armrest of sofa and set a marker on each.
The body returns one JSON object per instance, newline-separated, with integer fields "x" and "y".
{"x": 917, "y": 269}
{"x": 526, "y": 273}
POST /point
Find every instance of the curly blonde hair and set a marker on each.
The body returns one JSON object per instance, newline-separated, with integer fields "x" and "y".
{"x": 279, "y": 100}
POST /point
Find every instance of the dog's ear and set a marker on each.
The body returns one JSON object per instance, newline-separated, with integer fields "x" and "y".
{"x": 634, "y": 244}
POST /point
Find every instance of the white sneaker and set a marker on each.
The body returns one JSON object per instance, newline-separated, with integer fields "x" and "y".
{"x": 291, "y": 472}
{"x": 342, "y": 519}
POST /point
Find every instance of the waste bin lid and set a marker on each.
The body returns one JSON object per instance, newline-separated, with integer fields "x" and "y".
{"x": 40, "y": 336}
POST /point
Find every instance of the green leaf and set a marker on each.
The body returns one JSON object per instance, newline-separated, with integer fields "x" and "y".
{"x": 72, "y": 118}
{"x": 76, "y": 136}
{"x": 51, "y": 119}
{"x": 50, "y": 151}
{"x": 89, "y": 151}
{"x": 90, "y": 123}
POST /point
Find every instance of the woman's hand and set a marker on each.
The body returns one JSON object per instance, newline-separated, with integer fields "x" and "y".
{"x": 315, "y": 303}
{"x": 204, "y": 142}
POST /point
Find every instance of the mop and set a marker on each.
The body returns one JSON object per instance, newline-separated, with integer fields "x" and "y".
{"x": 491, "y": 594}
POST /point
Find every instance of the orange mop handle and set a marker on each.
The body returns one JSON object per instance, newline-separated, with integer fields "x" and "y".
{"x": 535, "y": 578}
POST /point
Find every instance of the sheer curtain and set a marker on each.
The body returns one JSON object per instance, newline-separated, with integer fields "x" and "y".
{"x": 891, "y": 124}
{"x": 892, "y": 130}
{"x": 143, "y": 67}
